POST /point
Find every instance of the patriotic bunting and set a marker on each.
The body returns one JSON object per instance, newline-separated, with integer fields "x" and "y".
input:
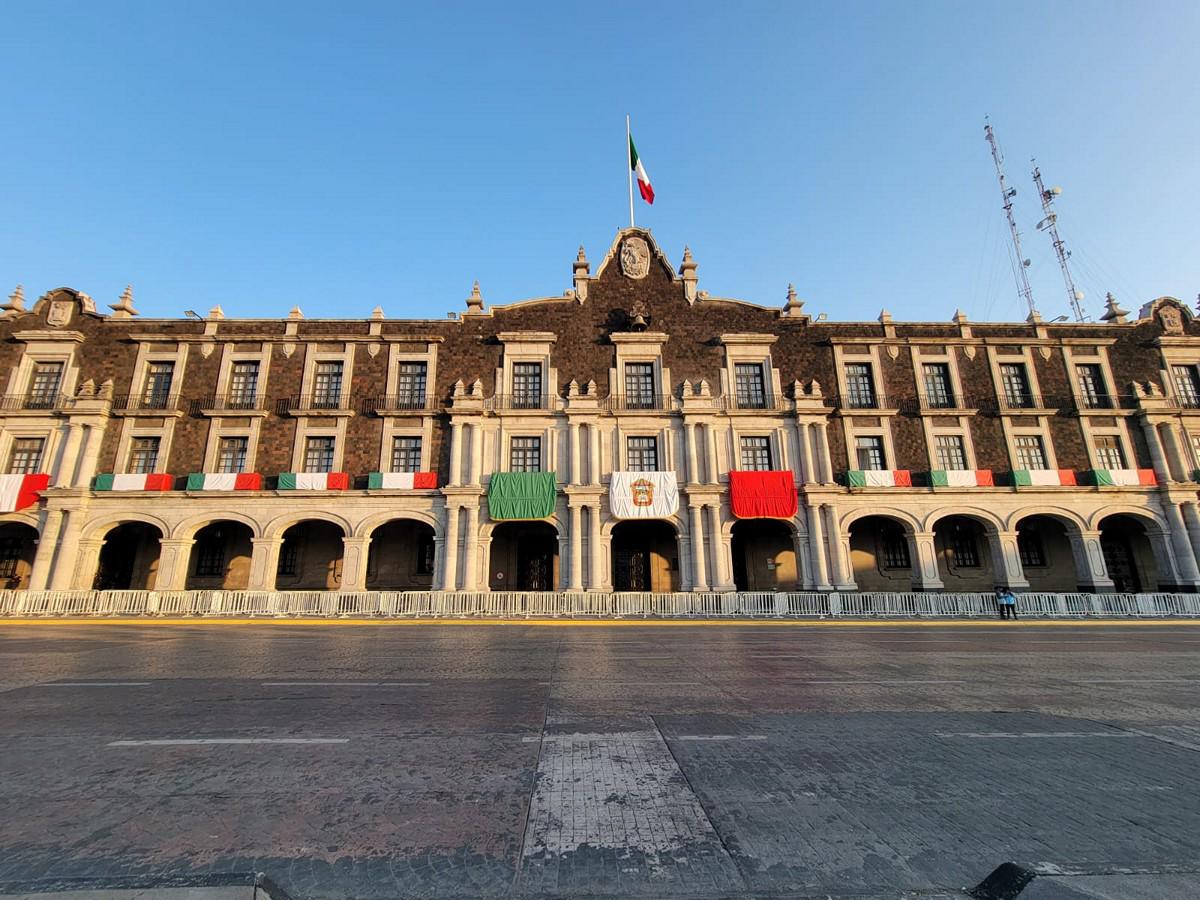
{"x": 314, "y": 481}
{"x": 879, "y": 478}
{"x": 762, "y": 495}
{"x": 404, "y": 481}
{"x": 643, "y": 495}
{"x": 1124, "y": 477}
{"x": 961, "y": 478}
{"x": 19, "y": 491}
{"x": 1043, "y": 477}
{"x": 142, "y": 482}
{"x": 224, "y": 481}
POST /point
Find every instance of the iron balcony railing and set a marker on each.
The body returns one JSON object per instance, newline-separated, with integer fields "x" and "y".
{"x": 230, "y": 403}
{"x": 861, "y": 401}
{"x": 758, "y": 404}
{"x": 311, "y": 403}
{"x": 146, "y": 402}
{"x": 523, "y": 402}
{"x": 1184, "y": 402}
{"x": 1008, "y": 402}
{"x": 38, "y": 401}
{"x": 398, "y": 403}
{"x": 636, "y": 402}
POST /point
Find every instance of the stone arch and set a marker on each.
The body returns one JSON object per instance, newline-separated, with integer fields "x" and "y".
{"x": 33, "y": 520}
{"x": 1152, "y": 518}
{"x": 882, "y": 559}
{"x": 1050, "y": 548}
{"x": 281, "y": 523}
{"x": 486, "y": 528}
{"x": 967, "y": 548}
{"x": 609, "y": 523}
{"x": 189, "y": 527}
{"x": 1069, "y": 518}
{"x": 311, "y": 557}
{"x": 402, "y": 554}
{"x": 910, "y": 522}
{"x": 795, "y": 525}
{"x": 990, "y": 520}
{"x": 367, "y": 526}
{"x": 221, "y": 554}
{"x": 763, "y": 552}
{"x": 18, "y": 546}
{"x": 1136, "y": 560}
{"x": 129, "y": 553}
{"x": 524, "y": 555}
{"x": 96, "y": 529}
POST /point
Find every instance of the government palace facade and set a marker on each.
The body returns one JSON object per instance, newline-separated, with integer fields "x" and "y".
{"x": 632, "y": 433}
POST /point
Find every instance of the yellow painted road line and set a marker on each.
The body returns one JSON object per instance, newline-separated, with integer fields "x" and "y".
{"x": 612, "y": 623}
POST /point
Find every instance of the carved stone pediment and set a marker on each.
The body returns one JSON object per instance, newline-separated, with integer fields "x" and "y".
{"x": 635, "y": 257}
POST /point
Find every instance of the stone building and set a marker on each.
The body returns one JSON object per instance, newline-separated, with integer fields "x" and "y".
{"x": 630, "y": 433}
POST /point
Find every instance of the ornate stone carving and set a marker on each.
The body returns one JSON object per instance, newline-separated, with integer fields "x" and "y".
{"x": 635, "y": 257}
{"x": 1170, "y": 319}
{"x": 59, "y": 313}
{"x": 373, "y": 350}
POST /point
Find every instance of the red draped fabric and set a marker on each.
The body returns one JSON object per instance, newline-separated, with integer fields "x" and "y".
{"x": 762, "y": 495}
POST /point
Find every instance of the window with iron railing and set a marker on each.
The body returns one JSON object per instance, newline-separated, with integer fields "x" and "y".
{"x": 641, "y": 454}
{"x": 860, "y": 386}
{"x": 1187, "y": 385}
{"x": 869, "y": 450}
{"x": 964, "y": 550}
{"x": 157, "y": 391}
{"x": 318, "y": 454}
{"x": 26, "y": 456}
{"x": 1014, "y": 381}
{"x": 406, "y": 454}
{"x": 1109, "y": 454}
{"x": 938, "y": 392}
{"x": 327, "y": 385}
{"x": 894, "y": 549}
{"x": 210, "y": 556}
{"x": 231, "y": 454}
{"x": 750, "y": 386}
{"x": 10, "y": 557}
{"x": 525, "y": 454}
{"x": 1090, "y": 379}
{"x": 289, "y": 558}
{"x": 143, "y": 455}
{"x": 639, "y": 385}
{"x": 1030, "y": 549}
{"x": 44, "y": 384}
{"x": 1031, "y": 452}
{"x": 527, "y": 385}
{"x": 243, "y": 385}
{"x": 410, "y": 386}
{"x": 950, "y": 452}
{"x": 755, "y": 453}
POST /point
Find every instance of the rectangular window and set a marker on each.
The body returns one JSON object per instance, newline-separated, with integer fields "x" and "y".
{"x": 289, "y": 558}
{"x": 210, "y": 557}
{"x": 26, "y": 457}
{"x": 950, "y": 453}
{"x": 1029, "y": 547}
{"x": 964, "y": 550}
{"x": 1187, "y": 385}
{"x": 243, "y": 385}
{"x": 641, "y": 454}
{"x": 231, "y": 454}
{"x": 1015, "y": 383}
{"x": 860, "y": 386}
{"x": 1031, "y": 453}
{"x": 159, "y": 376}
{"x": 756, "y": 453}
{"x": 1196, "y": 449}
{"x": 938, "y": 393}
{"x": 1109, "y": 454}
{"x": 406, "y": 454}
{"x": 318, "y": 454}
{"x": 527, "y": 385}
{"x": 750, "y": 385}
{"x": 894, "y": 547}
{"x": 639, "y": 385}
{"x": 1090, "y": 378}
{"x": 525, "y": 454}
{"x": 10, "y": 557}
{"x": 327, "y": 385}
{"x": 143, "y": 455}
{"x": 410, "y": 387}
{"x": 870, "y": 453}
{"x": 44, "y": 385}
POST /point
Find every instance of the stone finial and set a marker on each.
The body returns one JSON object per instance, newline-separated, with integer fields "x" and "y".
{"x": 687, "y": 388}
{"x": 582, "y": 273}
{"x": 687, "y": 271}
{"x": 377, "y": 313}
{"x": 591, "y": 387}
{"x": 885, "y": 317}
{"x": 16, "y": 302}
{"x": 460, "y": 389}
{"x": 296, "y": 313}
{"x": 106, "y": 389}
{"x": 705, "y": 390}
{"x": 797, "y": 389}
{"x": 123, "y": 308}
{"x": 216, "y": 313}
{"x": 814, "y": 388}
{"x": 475, "y": 301}
{"x": 477, "y": 388}
{"x": 573, "y": 388}
{"x": 1137, "y": 388}
{"x": 959, "y": 317}
{"x": 794, "y": 306}
{"x": 87, "y": 389}
{"x": 1153, "y": 390}
{"x": 1034, "y": 318}
{"x": 1113, "y": 314}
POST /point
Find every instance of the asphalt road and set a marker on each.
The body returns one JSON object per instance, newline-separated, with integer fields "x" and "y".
{"x": 391, "y": 759}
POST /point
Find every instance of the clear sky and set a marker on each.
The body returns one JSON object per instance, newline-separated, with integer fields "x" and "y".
{"x": 342, "y": 155}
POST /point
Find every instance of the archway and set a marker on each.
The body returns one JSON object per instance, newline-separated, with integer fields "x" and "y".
{"x": 764, "y": 556}
{"x": 523, "y": 557}
{"x": 129, "y": 558}
{"x": 1128, "y": 554}
{"x": 18, "y": 545}
{"x": 310, "y": 558}
{"x": 645, "y": 557}
{"x": 1044, "y": 545}
{"x": 879, "y": 554}
{"x": 964, "y": 555}
{"x": 401, "y": 556}
{"x": 220, "y": 557}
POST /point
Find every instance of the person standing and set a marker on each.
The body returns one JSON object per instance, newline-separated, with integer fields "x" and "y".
{"x": 1006, "y": 600}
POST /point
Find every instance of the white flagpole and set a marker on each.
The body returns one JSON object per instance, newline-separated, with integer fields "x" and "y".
{"x": 629, "y": 167}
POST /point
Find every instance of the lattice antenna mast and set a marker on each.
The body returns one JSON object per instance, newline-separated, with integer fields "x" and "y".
{"x": 1050, "y": 224}
{"x": 1007, "y": 193}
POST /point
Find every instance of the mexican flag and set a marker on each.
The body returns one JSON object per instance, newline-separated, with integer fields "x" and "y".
{"x": 639, "y": 170}
{"x": 151, "y": 482}
{"x": 879, "y": 478}
{"x": 643, "y": 495}
{"x": 1043, "y": 477}
{"x": 961, "y": 478}
{"x": 403, "y": 481}
{"x": 224, "y": 481}
{"x": 20, "y": 491}
{"x": 314, "y": 481}
{"x": 1124, "y": 477}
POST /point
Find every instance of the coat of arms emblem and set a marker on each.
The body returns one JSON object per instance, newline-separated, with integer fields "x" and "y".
{"x": 59, "y": 313}
{"x": 635, "y": 257}
{"x": 642, "y": 492}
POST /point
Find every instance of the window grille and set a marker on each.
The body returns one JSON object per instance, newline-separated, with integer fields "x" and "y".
{"x": 870, "y": 453}
{"x": 231, "y": 454}
{"x": 895, "y": 550}
{"x": 1015, "y": 383}
{"x": 1187, "y": 385}
{"x": 289, "y": 558}
{"x": 642, "y": 454}
{"x": 143, "y": 456}
{"x": 1090, "y": 378}
{"x": 406, "y": 454}
{"x": 159, "y": 376}
{"x": 525, "y": 454}
{"x": 410, "y": 388}
{"x": 1030, "y": 549}
{"x": 243, "y": 385}
{"x": 756, "y": 453}
{"x": 964, "y": 550}
{"x": 639, "y": 385}
{"x": 950, "y": 452}
{"x": 860, "y": 386}
{"x": 210, "y": 556}
{"x": 26, "y": 456}
{"x": 318, "y": 454}
{"x": 10, "y": 557}
{"x": 1109, "y": 454}
{"x": 1031, "y": 453}
{"x": 750, "y": 386}
{"x": 527, "y": 385}
{"x": 327, "y": 385}
{"x": 938, "y": 392}
{"x": 44, "y": 385}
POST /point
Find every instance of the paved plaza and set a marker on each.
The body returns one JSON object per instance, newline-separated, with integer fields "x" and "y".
{"x": 387, "y": 759}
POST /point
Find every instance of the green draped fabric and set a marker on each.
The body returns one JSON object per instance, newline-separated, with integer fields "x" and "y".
{"x": 522, "y": 495}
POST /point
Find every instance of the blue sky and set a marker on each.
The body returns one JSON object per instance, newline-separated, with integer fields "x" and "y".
{"x": 343, "y": 155}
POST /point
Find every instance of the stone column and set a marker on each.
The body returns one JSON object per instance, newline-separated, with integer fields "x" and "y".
{"x": 354, "y": 563}
{"x": 1191, "y": 519}
{"x": 594, "y": 447}
{"x": 65, "y": 476}
{"x": 1181, "y": 544}
{"x": 710, "y": 454}
{"x": 264, "y": 563}
{"x": 595, "y": 557}
{"x": 450, "y": 550}
{"x": 39, "y": 575}
{"x": 1006, "y": 560}
{"x": 470, "y": 578}
{"x": 456, "y": 452}
{"x": 90, "y": 455}
{"x": 842, "y": 580}
{"x": 576, "y": 475}
{"x": 720, "y": 566}
{"x": 816, "y": 549}
{"x": 85, "y": 570}
{"x": 173, "y": 557}
{"x": 1090, "y": 571}
{"x": 806, "y": 453}
{"x": 1174, "y": 453}
{"x": 476, "y": 452}
{"x": 692, "y": 457}
{"x": 1157, "y": 458}
{"x": 923, "y": 553}
{"x": 823, "y": 450}
{"x": 699, "y": 564}
{"x": 66, "y": 554}
{"x": 576, "y": 538}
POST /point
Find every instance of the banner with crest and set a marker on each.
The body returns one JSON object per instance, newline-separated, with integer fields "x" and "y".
{"x": 643, "y": 495}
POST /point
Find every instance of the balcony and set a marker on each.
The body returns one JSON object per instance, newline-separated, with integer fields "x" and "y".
{"x": 639, "y": 403}
{"x": 146, "y": 404}
{"x": 755, "y": 404}
{"x": 399, "y": 404}
{"x": 230, "y": 405}
{"x": 314, "y": 405}
{"x": 1009, "y": 404}
{"x": 862, "y": 403}
{"x": 34, "y": 403}
{"x": 523, "y": 403}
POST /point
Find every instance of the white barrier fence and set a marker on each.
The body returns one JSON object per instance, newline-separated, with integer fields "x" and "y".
{"x": 591, "y": 604}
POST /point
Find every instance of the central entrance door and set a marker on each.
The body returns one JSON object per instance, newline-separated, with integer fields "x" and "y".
{"x": 645, "y": 557}
{"x": 534, "y": 566}
{"x": 524, "y": 557}
{"x": 632, "y": 570}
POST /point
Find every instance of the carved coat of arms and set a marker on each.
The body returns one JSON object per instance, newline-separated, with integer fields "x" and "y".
{"x": 1171, "y": 320}
{"x": 635, "y": 257}
{"x": 59, "y": 313}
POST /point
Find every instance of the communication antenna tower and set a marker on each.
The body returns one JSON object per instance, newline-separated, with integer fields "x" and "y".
{"x": 1007, "y": 193}
{"x": 1050, "y": 224}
